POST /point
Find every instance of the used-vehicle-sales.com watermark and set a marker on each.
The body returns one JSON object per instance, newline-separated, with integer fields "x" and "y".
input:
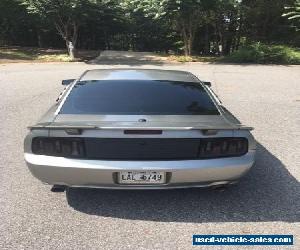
{"x": 243, "y": 240}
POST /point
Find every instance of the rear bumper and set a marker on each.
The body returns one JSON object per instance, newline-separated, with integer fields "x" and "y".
{"x": 104, "y": 174}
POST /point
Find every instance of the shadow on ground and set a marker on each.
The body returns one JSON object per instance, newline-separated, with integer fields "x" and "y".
{"x": 112, "y": 57}
{"x": 268, "y": 193}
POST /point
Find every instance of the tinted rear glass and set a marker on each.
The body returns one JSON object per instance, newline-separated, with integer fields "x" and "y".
{"x": 138, "y": 97}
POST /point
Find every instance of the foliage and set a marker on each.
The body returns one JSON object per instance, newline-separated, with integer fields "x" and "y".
{"x": 15, "y": 24}
{"x": 293, "y": 14}
{"x": 67, "y": 15}
{"x": 191, "y": 27}
{"x": 147, "y": 33}
{"x": 261, "y": 53}
{"x": 185, "y": 15}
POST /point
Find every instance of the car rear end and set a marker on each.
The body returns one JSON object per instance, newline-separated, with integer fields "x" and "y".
{"x": 197, "y": 146}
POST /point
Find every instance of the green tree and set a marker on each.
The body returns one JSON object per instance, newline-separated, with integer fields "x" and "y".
{"x": 192, "y": 26}
{"x": 263, "y": 21}
{"x": 145, "y": 32}
{"x": 186, "y": 15}
{"x": 15, "y": 23}
{"x": 227, "y": 22}
{"x": 293, "y": 13}
{"x": 66, "y": 15}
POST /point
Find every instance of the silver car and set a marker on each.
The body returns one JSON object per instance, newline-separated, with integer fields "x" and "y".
{"x": 138, "y": 129}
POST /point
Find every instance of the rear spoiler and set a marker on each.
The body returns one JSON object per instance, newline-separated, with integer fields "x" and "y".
{"x": 87, "y": 127}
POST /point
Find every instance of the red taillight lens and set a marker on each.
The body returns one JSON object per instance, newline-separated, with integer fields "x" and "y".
{"x": 62, "y": 147}
{"x": 223, "y": 147}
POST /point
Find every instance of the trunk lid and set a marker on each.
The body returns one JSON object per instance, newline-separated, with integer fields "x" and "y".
{"x": 144, "y": 122}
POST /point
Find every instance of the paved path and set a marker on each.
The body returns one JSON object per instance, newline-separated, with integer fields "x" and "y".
{"x": 112, "y": 57}
{"x": 267, "y": 201}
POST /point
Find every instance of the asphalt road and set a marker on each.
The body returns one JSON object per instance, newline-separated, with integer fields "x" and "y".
{"x": 267, "y": 200}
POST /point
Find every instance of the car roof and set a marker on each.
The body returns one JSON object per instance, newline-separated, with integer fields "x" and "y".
{"x": 138, "y": 74}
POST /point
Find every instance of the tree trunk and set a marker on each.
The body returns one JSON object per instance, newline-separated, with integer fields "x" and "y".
{"x": 188, "y": 38}
{"x": 40, "y": 40}
{"x": 227, "y": 46}
{"x": 70, "y": 48}
{"x": 239, "y": 30}
{"x": 221, "y": 42}
{"x": 65, "y": 30}
{"x": 185, "y": 43}
{"x": 190, "y": 45}
{"x": 72, "y": 52}
{"x": 206, "y": 39}
{"x": 74, "y": 41}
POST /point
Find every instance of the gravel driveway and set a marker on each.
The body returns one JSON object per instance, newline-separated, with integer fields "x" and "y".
{"x": 267, "y": 200}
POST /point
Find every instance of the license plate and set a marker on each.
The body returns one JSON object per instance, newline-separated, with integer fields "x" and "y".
{"x": 142, "y": 177}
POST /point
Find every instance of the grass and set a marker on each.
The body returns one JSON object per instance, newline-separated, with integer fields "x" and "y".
{"x": 54, "y": 58}
{"x": 254, "y": 53}
{"x": 23, "y": 54}
{"x": 265, "y": 54}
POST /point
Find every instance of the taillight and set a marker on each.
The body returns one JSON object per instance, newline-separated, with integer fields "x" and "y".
{"x": 62, "y": 147}
{"x": 223, "y": 147}
{"x": 75, "y": 147}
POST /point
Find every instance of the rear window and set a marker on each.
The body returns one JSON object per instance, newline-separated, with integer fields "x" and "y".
{"x": 136, "y": 97}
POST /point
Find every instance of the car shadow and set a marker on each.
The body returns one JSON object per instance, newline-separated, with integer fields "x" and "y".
{"x": 268, "y": 193}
